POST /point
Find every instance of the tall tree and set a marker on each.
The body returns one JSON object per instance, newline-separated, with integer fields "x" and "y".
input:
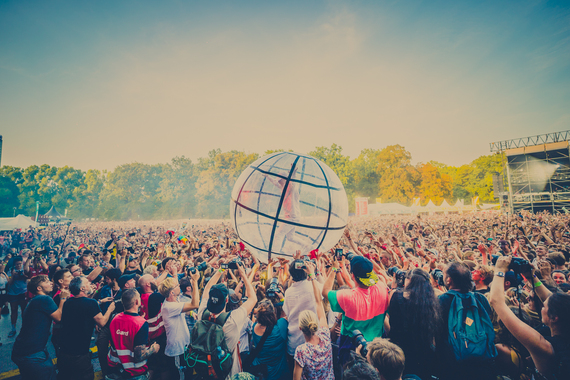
{"x": 434, "y": 185}
{"x": 177, "y": 190}
{"x": 215, "y": 182}
{"x": 398, "y": 178}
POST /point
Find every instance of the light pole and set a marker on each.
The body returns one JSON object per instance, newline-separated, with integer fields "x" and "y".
{"x": 37, "y": 211}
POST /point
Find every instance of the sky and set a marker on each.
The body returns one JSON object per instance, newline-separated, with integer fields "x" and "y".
{"x": 96, "y": 84}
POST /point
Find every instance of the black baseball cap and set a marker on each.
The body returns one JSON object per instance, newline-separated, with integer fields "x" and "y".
{"x": 363, "y": 270}
{"x": 124, "y": 279}
{"x": 217, "y": 298}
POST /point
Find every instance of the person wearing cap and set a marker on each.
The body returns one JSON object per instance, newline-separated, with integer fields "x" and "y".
{"x": 173, "y": 316}
{"x": 363, "y": 308}
{"x": 214, "y": 301}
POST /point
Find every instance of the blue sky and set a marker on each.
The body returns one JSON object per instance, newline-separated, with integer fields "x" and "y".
{"x": 95, "y": 84}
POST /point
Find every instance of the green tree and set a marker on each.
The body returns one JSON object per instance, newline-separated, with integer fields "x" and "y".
{"x": 481, "y": 177}
{"x": 130, "y": 192}
{"x": 8, "y": 197}
{"x": 177, "y": 190}
{"x": 367, "y": 174}
{"x": 10, "y": 177}
{"x": 216, "y": 180}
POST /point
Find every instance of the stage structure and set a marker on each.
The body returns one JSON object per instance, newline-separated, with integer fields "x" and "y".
{"x": 537, "y": 172}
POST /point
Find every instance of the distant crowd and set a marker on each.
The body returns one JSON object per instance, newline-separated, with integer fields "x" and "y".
{"x": 472, "y": 296}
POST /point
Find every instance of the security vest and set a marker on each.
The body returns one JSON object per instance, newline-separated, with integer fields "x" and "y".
{"x": 124, "y": 327}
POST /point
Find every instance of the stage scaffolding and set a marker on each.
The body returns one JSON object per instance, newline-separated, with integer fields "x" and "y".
{"x": 537, "y": 173}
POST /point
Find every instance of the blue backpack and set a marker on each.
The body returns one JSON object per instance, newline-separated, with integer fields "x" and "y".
{"x": 471, "y": 333}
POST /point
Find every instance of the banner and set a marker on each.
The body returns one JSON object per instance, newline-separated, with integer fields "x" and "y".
{"x": 361, "y": 206}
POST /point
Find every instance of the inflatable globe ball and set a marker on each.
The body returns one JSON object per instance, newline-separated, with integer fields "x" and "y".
{"x": 286, "y": 202}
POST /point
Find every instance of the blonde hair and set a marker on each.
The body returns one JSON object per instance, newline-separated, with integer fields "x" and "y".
{"x": 308, "y": 322}
{"x": 166, "y": 287}
{"x": 387, "y": 358}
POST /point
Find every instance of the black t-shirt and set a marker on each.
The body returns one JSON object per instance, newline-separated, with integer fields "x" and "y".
{"x": 36, "y": 323}
{"x": 561, "y": 348}
{"x": 78, "y": 324}
{"x": 141, "y": 337}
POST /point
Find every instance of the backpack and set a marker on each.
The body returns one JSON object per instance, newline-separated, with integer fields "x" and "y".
{"x": 471, "y": 333}
{"x": 208, "y": 353}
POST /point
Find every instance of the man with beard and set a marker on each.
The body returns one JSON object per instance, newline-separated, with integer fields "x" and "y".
{"x": 147, "y": 285}
{"x": 79, "y": 316}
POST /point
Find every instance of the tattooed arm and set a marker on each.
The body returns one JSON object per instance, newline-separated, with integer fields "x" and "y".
{"x": 142, "y": 352}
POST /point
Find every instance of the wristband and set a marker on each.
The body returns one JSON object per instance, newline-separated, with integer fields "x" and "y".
{"x": 537, "y": 284}
{"x": 336, "y": 270}
{"x": 311, "y": 275}
{"x": 221, "y": 270}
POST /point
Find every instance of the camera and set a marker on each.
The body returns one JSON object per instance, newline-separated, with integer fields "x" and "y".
{"x": 273, "y": 287}
{"x": 201, "y": 267}
{"x": 398, "y": 274}
{"x": 517, "y": 264}
{"x": 359, "y": 338}
{"x": 152, "y": 248}
{"x": 232, "y": 264}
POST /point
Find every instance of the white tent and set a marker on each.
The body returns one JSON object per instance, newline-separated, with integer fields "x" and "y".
{"x": 20, "y": 221}
{"x": 388, "y": 209}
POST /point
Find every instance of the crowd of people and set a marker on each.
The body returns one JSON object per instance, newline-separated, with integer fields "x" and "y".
{"x": 472, "y": 296}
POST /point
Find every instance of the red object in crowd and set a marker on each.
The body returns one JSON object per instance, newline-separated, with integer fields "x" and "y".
{"x": 313, "y": 254}
{"x": 241, "y": 246}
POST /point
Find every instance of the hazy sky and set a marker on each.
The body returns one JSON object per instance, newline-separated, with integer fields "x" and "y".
{"x": 95, "y": 84}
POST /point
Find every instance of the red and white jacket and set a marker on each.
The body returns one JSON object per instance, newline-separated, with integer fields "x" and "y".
{"x": 155, "y": 324}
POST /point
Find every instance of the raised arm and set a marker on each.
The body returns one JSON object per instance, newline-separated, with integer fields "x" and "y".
{"x": 101, "y": 319}
{"x": 195, "y": 294}
{"x": 318, "y": 298}
{"x": 539, "y": 348}
{"x": 249, "y": 291}
{"x": 329, "y": 282}
{"x": 56, "y": 315}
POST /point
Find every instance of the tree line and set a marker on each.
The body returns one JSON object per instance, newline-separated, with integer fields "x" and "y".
{"x": 202, "y": 189}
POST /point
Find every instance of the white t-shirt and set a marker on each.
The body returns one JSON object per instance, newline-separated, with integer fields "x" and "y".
{"x": 298, "y": 297}
{"x": 232, "y": 330}
{"x": 177, "y": 334}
